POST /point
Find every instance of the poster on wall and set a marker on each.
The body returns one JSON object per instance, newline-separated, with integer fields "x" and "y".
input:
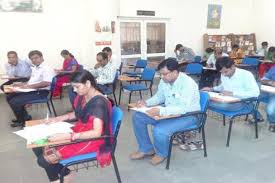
{"x": 21, "y": 5}
{"x": 104, "y": 32}
{"x": 214, "y": 16}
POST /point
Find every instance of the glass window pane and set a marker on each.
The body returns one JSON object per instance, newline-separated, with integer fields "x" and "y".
{"x": 130, "y": 38}
{"x": 155, "y": 37}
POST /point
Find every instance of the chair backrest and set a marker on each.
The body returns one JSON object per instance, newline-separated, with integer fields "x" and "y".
{"x": 120, "y": 67}
{"x": 115, "y": 80}
{"x": 250, "y": 61}
{"x": 141, "y": 63}
{"x": 204, "y": 100}
{"x": 148, "y": 74}
{"x": 117, "y": 116}
{"x": 52, "y": 87}
{"x": 197, "y": 59}
{"x": 80, "y": 67}
{"x": 194, "y": 68}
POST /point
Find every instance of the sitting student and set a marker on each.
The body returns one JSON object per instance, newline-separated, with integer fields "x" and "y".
{"x": 16, "y": 69}
{"x": 70, "y": 65}
{"x": 237, "y": 54}
{"x": 93, "y": 113}
{"x": 180, "y": 95}
{"x": 264, "y": 67}
{"x": 103, "y": 71}
{"x": 234, "y": 82}
{"x": 269, "y": 79}
{"x": 218, "y": 53}
{"x": 207, "y": 53}
{"x": 270, "y": 52}
{"x": 209, "y": 78}
{"x": 184, "y": 54}
{"x": 41, "y": 78}
{"x": 112, "y": 58}
{"x": 263, "y": 50}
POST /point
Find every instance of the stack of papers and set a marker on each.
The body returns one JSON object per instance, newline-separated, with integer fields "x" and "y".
{"x": 223, "y": 98}
{"x": 17, "y": 89}
{"x": 43, "y": 131}
{"x": 269, "y": 89}
{"x": 144, "y": 109}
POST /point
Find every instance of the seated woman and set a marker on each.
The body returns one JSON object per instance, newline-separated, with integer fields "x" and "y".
{"x": 70, "y": 65}
{"x": 93, "y": 112}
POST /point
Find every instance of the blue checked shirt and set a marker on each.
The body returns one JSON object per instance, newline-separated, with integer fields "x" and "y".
{"x": 178, "y": 98}
{"x": 22, "y": 69}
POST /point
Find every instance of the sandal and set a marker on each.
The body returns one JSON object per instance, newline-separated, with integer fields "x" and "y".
{"x": 140, "y": 155}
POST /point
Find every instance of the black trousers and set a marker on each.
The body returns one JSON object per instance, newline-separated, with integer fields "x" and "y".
{"x": 17, "y": 102}
{"x": 11, "y": 81}
{"x": 52, "y": 170}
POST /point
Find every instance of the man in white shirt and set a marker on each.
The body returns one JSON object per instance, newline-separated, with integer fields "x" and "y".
{"x": 112, "y": 58}
{"x": 40, "y": 81}
{"x": 234, "y": 82}
{"x": 103, "y": 71}
{"x": 218, "y": 53}
{"x": 17, "y": 70}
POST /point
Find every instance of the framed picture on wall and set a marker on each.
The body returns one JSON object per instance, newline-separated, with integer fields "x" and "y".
{"x": 214, "y": 16}
{"x": 21, "y": 5}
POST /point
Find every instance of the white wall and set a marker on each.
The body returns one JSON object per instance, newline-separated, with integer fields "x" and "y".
{"x": 188, "y": 19}
{"x": 264, "y": 21}
{"x": 63, "y": 24}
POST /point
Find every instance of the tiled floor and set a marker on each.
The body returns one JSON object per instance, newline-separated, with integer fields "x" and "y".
{"x": 247, "y": 160}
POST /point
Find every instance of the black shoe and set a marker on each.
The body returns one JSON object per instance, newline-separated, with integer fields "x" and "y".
{"x": 13, "y": 125}
{"x": 14, "y": 121}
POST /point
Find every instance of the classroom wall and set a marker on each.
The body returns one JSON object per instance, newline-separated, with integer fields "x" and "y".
{"x": 63, "y": 24}
{"x": 188, "y": 19}
{"x": 69, "y": 24}
{"x": 263, "y": 20}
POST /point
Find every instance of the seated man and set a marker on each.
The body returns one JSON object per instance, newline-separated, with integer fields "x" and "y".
{"x": 112, "y": 58}
{"x": 211, "y": 77}
{"x": 269, "y": 79}
{"x": 234, "y": 82}
{"x": 16, "y": 69}
{"x": 237, "y": 54}
{"x": 103, "y": 71}
{"x": 179, "y": 93}
{"x": 41, "y": 78}
{"x": 184, "y": 54}
{"x": 263, "y": 50}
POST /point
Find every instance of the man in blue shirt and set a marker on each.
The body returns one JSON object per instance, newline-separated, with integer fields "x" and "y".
{"x": 179, "y": 93}
{"x": 16, "y": 69}
{"x": 234, "y": 82}
{"x": 269, "y": 79}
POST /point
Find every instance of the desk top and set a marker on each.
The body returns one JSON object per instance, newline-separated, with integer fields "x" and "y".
{"x": 267, "y": 61}
{"x": 217, "y": 97}
{"x": 132, "y": 106}
{"x": 37, "y": 122}
{"x": 209, "y": 68}
{"x": 127, "y": 78}
{"x": 268, "y": 89}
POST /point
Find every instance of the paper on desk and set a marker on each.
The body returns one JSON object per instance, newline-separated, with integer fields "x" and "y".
{"x": 267, "y": 88}
{"x": 42, "y": 131}
{"x": 18, "y": 89}
{"x": 222, "y": 97}
{"x": 144, "y": 109}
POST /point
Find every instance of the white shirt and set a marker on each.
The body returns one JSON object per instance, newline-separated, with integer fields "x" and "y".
{"x": 41, "y": 73}
{"x": 104, "y": 75}
{"x": 242, "y": 84}
{"x": 212, "y": 59}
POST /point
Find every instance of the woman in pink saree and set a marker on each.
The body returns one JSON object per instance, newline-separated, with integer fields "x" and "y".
{"x": 70, "y": 65}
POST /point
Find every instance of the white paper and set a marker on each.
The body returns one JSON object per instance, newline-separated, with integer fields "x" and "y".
{"x": 42, "y": 131}
{"x": 268, "y": 89}
{"x": 144, "y": 109}
{"x": 23, "y": 89}
{"x": 222, "y": 97}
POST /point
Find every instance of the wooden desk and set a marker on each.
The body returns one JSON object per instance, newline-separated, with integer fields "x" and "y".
{"x": 216, "y": 97}
{"x": 267, "y": 61}
{"x": 127, "y": 78}
{"x": 133, "y": 105}
{"x": 8, "y": 89}
{"x": 37, "y": 122}
{"x": 268, "y": 89}
{"x": 12, "y": 89}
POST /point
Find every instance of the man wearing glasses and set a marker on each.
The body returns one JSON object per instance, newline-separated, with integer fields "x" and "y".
{"x": 179, "y": 93}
